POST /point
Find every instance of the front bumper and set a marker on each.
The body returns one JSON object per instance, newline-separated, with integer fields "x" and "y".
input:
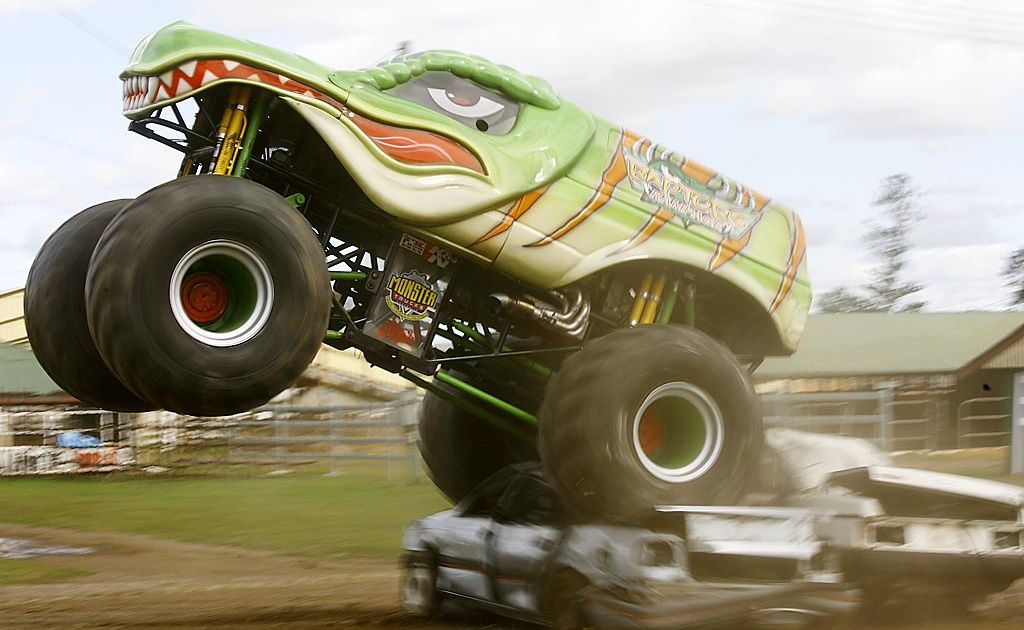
{"x": 920, "y": 565}
{"x": 699, "y": 604}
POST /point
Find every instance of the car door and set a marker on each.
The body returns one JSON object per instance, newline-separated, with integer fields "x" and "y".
{"x": 526, "y": 536}
{"x": 464, "y": 550}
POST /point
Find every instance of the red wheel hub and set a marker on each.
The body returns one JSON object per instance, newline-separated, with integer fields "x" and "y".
{"x": 204, "y": 296}
{"x": 651, "y": 432}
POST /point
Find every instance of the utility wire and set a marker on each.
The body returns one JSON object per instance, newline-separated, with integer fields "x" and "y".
{"x": 901, "y": 14}
{"x": 89, "y": 29}
{"x": 783, "y": 10}
{"x": 970, "y": 9}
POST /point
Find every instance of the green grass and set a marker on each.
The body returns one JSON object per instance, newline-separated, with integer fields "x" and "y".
{"x": 31, "y": 571}
{"x": 295, "y": 514}
{"x": 300, "y": 513}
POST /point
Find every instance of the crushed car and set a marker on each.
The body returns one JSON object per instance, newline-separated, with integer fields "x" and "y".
{"x": 510, "y": 547}
{"x": 905, "y": 536}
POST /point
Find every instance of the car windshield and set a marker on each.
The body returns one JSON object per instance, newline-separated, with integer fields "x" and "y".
{"x": 530, "y": 500}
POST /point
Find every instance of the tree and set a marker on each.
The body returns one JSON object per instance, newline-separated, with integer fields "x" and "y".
{"x": 843, "y": 300}
{"x": 888, "y": 239}
{"x": 1014, "y": 274}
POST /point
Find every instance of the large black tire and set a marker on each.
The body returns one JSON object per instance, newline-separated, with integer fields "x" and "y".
{"x": 650, "y": 416}
{"x": 55, "y": 315}
{"x": 460, "y": 450}
{"x": 208, "y": 295}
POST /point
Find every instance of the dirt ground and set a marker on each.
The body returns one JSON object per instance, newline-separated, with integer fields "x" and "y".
{"x": 149, "y": 583}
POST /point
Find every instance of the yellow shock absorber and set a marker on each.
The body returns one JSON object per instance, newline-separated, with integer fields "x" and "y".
{"x": 233, "y": 130}
{"x": 653, "y": 300}
{"x": 640, "y": 300}
{"x": 225, "y": 122}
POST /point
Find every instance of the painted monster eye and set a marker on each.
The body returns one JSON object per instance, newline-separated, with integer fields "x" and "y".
{"x": 471, "y": 107}
{"x": 486, "y": 110}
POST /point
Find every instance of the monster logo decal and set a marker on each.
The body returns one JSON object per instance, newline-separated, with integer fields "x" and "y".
{"x": 409, "y": 295}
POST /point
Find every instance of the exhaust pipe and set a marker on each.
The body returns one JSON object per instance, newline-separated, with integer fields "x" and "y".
{"x": 570, "y": 314}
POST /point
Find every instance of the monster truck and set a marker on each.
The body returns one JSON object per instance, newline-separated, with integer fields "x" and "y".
{"x": 559, "y": 285}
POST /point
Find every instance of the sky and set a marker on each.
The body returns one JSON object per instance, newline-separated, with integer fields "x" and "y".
{"x": 812, "y": 102}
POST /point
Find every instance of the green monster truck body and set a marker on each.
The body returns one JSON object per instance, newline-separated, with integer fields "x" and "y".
{"x": 473, "y": 222}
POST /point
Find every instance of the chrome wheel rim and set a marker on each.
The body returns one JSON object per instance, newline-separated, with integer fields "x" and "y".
{"x": 221, "y": 293}
{"x": 678, "y": 432}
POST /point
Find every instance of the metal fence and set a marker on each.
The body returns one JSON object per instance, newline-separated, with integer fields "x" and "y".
{"x": 340, "y": 438}
{"x": 334, "y": 437}
{"x": 878, "y": 416}
{"x": 983, "y": 421}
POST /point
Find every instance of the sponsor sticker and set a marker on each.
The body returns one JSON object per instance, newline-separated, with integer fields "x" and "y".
{"x": 661, "y": 182}
{"x": 410, "y": 295}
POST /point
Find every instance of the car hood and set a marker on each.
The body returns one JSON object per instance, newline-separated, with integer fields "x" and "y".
{"x": 807, "y": 459}
{"x": 869, "y": 480}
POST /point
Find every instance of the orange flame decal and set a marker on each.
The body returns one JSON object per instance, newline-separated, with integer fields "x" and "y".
{"x": 728, "y": 247}
{"x": 611, "y": 177}
{"x": 513, "y": 213}
{"x": 653, "y": 224}
{"x": 415, "y": 146}
{"x": 796, "y": 256}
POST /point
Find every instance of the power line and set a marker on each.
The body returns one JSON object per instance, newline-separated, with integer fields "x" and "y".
{"x": 917, "y": 11}
{"x": 89, "y": 29}
{"x": 783, "y": 10}
{"x": 973, "y": 9}
{"x": 907, "y": 14}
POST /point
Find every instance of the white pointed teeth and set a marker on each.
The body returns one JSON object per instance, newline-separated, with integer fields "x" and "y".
{"x": 139, "y": 91}
{"x": 230, "y": 65}
{"x": 189, "y": 68}
{"x": 208, "y": 77}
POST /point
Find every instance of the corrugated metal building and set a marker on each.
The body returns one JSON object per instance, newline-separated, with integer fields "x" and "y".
{"x": 957, "y": 367}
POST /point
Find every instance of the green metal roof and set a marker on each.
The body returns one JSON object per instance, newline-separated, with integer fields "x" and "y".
{"x": 20, "y": 373}
{"x": 862, "y": 344}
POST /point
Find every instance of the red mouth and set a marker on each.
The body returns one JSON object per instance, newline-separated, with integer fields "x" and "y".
{"x": 405, "y": 144}
{"x": 415, "y": 146}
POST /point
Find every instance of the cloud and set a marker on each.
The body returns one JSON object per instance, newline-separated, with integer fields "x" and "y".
{"x": 962, "y": 277}
{"x": 627, "y": 61}
{"x": 949, "y": 223}
{"x": 11, "y": 7}
{"x": 36, "y": 201}
{"x": 950, "y": 88}
{"x": 801, "y": 105}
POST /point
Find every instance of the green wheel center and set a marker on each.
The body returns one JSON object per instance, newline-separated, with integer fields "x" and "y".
{"x": 221, "y": 293}
{"x": 672, "y": 432}
{"x": 678, "y": 432}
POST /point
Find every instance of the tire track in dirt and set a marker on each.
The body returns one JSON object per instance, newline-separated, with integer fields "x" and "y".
{"x": 155, "y": 584}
